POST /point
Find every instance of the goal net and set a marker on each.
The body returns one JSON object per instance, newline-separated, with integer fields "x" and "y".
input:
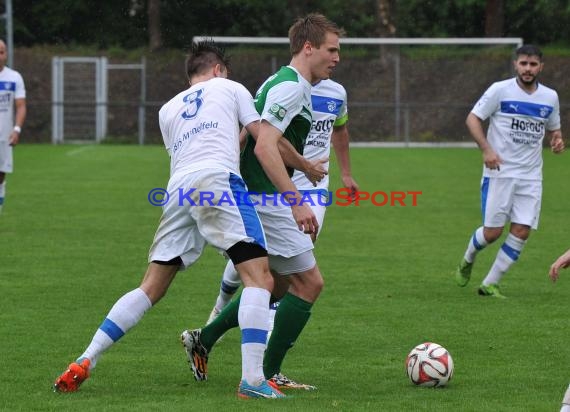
{"x": 401, "y": 92}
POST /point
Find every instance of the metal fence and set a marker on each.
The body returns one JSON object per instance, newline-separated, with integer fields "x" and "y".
{"x": 399, "y": 94}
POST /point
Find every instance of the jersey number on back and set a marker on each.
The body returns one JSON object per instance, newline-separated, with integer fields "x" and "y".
{"x": 193, "y": 103}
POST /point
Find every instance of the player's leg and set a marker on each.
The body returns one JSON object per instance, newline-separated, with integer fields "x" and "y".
{"x": 319, "y": 209}
{"x": 507, "y": 255}
{"x": 238, "y": 231}
{"x": 294, "y": 309}
{"x": 254, "y": 324}
{"x": 5, "y": 167}
{"x": 228, "y": 319}
{"x": 495, "y": 205}
{"x": 249, "y": 311}
{"x": 524, "y": 215}
{"x": 124, "y": 314}
{"x": 230, "y": 284}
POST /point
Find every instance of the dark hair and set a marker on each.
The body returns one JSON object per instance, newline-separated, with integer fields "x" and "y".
{"x": 313, "y": 28}
{"x": 203, "y": 55}
{"x": 528, "y": 50}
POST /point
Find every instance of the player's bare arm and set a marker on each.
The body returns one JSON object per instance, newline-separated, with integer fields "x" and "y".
{"x": 475, "y": 126}
{"x": 340, "y": 141}
{"x": 314, "y": 170}
{"x": 20, "y": 118}
{"x": 556, "y": 141}
{"x": 267, "y": 152}
{"x": 252, "y": 128}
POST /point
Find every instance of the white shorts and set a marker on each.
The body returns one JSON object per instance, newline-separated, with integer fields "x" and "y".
{"x": 5, "y": 157}
{"x": 283, "y": 235}
{"x": 214, "y": 213}
{"x": 510, "y": 199}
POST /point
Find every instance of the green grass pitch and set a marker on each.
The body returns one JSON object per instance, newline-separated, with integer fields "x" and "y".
{"x": 74, "y": 236}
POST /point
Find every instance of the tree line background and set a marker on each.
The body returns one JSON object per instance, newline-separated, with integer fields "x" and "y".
{"x": 158, "y": 24}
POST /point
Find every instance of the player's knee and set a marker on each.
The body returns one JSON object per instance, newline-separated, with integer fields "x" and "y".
{"x": 520, "y": 231}
{"x": 308, "y": 285}
{"x": 492, "y": 233}
{"x": 319, "y": 284}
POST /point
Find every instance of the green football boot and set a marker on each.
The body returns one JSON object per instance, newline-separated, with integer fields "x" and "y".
{"x": 491, "y": 290}
{"x": 463, "y": 273}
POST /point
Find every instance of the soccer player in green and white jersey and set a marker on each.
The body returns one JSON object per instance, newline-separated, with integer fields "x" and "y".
{"x": 329, "y": 125}
{"x": 283, "y": 102}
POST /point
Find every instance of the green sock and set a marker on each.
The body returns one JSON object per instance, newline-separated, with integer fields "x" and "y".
{"x": 226, "y": 320}
{"x": 290, "y": 319}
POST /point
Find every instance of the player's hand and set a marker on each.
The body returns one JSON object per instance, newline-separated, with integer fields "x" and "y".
{"x": 491, "y": 159}
{"x": 561, "y": 263}
{"x": 557, "y": 144}
{"x": 316, "y": 170}
{"x": 305, "y": 218}
{"x": 14, "y": 138}
{"x": 350, "y": 184}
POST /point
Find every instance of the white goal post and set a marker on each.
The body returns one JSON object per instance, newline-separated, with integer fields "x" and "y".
{"x": 404, "y": 129}
{"x": 80, "y": 98}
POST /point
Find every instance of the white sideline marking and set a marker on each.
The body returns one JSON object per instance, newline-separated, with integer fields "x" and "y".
{"x": 79, "y": 150}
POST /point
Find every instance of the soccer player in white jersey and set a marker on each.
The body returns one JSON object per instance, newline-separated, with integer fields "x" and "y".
{"x": 200, "y": 128}
{"x": 283, "y": 102}
{"x": 12, "y": 93}
{"x": 330, "y": 117}
{"x": 521, "y": 112}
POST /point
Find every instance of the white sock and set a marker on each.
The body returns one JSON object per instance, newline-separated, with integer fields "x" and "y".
{"x": 230, "y": 284}
{"x": 272, "y": 310}
{"x": 253, "y": 319}
{"x": 507, "y": 255}
{"x": 2, "y": 193}
{"x": 565, "y": 408}
{"x": 124, "y": 314}
{"x": 476, "y": 244}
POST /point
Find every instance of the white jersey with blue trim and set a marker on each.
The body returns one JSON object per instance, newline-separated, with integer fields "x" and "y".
{"x": 200, "y": 126}
{"x": 517, "y": 126}
{"x": 11, "y": 88}
{"x": 329, "y": 108}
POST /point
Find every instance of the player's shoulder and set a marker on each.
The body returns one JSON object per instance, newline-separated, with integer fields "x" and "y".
{"x": 223, "y": 82}
{"x": 542, "y": 88}
{"x": 504, "y": 84}
{"x": 9, "y": 73}
{"x": 329, "y": 84}
{"x": 288, "y": 78}
{"x": 329, "y": 88}
{"x": 288, "y": 82}
{"x": 288, "y": 74}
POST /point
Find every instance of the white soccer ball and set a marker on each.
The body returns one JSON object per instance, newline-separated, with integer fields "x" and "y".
{"x": 429, "y": 364}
